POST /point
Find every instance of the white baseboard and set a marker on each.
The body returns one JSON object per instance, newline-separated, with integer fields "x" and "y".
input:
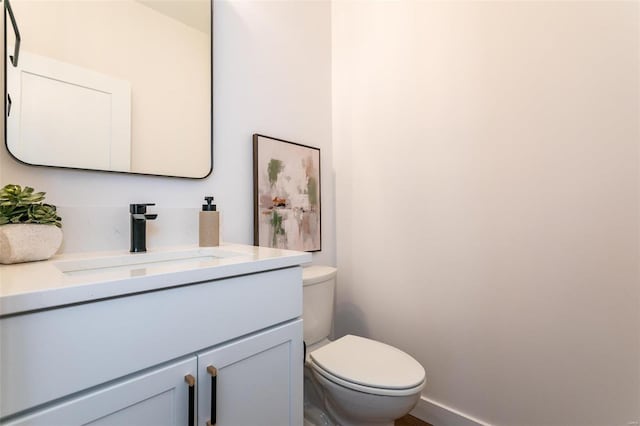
{"x": 439, "y": 414}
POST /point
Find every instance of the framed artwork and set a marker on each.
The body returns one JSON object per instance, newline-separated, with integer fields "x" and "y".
{"x": 286, "y": 205}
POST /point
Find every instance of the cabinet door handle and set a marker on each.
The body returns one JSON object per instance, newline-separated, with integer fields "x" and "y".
{"x": 191, "y": 381}
{"x": 214, "y": 384}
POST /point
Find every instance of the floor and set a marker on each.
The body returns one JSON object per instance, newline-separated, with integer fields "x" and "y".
{"x": 411, "y": 421}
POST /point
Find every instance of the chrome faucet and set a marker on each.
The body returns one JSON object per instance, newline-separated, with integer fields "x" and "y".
{"x": 139, "y": 219}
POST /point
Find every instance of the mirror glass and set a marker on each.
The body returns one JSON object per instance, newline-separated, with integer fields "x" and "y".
{"x": 117, "y": 85}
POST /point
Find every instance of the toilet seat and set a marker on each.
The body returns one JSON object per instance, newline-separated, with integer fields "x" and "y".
{"x": 368, "y": 366}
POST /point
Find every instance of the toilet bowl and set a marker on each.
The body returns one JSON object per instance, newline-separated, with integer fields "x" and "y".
{"x": 365, "y": 382}
{"x": 352, "y": 380}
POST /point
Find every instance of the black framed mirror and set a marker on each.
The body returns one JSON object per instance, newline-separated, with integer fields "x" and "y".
{"x": 112, "y": 85}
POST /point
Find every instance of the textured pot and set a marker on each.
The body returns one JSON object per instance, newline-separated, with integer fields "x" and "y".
{"x": 28, "y": 242}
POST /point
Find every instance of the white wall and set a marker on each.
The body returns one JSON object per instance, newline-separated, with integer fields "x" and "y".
{"x": 487, "y": 166}
{"x": 272, "y": 75}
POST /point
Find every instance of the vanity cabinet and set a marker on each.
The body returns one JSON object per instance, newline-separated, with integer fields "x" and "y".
{"x": 123, "y": 360}
{"x": 256, "y": 380}
{"x": 159, "y": 397}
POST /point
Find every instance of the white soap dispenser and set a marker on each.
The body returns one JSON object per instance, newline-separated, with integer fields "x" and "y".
{"x": 209, "y": 224}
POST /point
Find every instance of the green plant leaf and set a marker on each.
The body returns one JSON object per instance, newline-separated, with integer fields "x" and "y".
{"x": 18, "y": 205}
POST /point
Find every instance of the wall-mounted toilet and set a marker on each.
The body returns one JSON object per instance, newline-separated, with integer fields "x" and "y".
{"x": 352, "y": 381}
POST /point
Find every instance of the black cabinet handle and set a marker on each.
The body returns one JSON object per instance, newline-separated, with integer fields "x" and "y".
{"x": 214, "y": 384}
{"x": 191, "y": 381}
{"x": 14, "y": 24}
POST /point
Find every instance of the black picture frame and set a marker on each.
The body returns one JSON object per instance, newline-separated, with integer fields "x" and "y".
{"x": 287, "y": 205}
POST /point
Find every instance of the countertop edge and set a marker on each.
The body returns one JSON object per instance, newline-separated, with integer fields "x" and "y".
{"x": 57, "y": 297}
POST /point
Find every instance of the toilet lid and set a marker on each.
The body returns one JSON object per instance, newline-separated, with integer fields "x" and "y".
{"x": 317, "y": 274}
{"x": 369, "y": 363}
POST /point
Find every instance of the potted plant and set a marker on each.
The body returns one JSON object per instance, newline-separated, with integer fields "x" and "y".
{"x": 29, "y": 229}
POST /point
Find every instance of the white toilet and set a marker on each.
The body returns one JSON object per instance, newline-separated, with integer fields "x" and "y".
{"x": 352, "y": 381}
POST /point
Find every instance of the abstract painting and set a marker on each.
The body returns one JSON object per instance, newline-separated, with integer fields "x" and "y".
{"x": 286, "y": 181}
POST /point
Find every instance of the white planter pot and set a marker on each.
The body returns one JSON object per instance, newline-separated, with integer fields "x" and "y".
{"x": 28, "y": 242}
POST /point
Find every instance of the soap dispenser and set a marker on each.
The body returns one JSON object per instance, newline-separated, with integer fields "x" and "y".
{"x": 209, "y": 224}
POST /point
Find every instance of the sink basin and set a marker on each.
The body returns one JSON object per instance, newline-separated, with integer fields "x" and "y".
{"x": 132, "y": 261}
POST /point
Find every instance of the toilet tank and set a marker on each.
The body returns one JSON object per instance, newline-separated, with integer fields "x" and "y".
{"x": 317, "y": 312}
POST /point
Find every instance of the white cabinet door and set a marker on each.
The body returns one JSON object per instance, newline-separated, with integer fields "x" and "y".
{"x": 258, "y": 381}
{"x": 159, "y": 397}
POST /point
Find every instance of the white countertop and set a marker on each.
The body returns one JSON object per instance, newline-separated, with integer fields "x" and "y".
{"x": 40, "y": 285}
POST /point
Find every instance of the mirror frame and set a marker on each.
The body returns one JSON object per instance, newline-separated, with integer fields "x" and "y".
{"x": 6, "y": 9}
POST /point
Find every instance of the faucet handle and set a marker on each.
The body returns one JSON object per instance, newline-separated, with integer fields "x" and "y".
{"x": 139, "y": 208}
